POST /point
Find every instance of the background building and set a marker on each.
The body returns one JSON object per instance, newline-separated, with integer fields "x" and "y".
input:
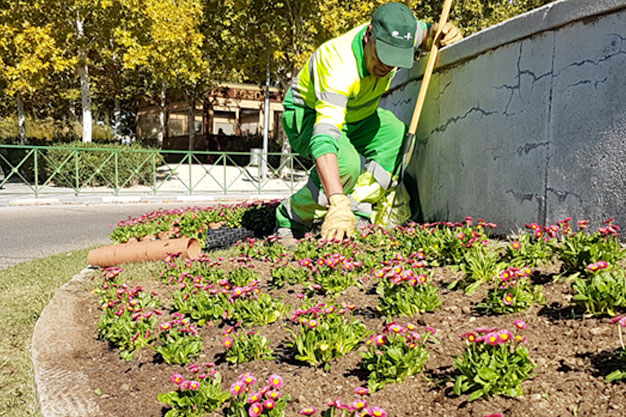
{"x": 231, "y": 117}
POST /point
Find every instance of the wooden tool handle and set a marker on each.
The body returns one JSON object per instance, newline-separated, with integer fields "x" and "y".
{"x": 430, "y": 66}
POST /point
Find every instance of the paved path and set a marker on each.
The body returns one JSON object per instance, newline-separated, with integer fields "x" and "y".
{"x": 59, "y": 221}
{"x": 207, "y": 182}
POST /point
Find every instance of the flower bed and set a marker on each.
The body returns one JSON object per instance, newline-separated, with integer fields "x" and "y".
{"x": 435, "y": 320}
{"x": 257, "y": 216}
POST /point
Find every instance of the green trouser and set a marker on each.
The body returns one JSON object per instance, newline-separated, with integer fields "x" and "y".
{"x": 369, "y": 151}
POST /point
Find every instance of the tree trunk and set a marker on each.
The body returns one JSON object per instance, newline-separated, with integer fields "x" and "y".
{"x": 285, "y": 149}
{"x": 192, "y": 122}
{"x": 83, "y": 71}
{"x": 117, "y": 119}
{"x": 162, "y": 126}
{"x": 285, "y": 171}
{"x": 21, "y": 118}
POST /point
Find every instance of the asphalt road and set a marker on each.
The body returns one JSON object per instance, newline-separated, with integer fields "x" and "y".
{"x": 33, "y": 232}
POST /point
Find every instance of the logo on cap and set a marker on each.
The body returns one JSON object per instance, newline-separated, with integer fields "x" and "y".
{"x": 396, "y": 35}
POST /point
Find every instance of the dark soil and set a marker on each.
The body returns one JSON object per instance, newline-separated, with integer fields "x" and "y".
{"x": 573, "y": 355}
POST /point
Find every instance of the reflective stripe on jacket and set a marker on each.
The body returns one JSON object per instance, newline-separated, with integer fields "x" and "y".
{"x": 336, "y": 84}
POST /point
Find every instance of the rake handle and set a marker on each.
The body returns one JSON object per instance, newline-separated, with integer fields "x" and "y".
{"x": 430, "y": 67}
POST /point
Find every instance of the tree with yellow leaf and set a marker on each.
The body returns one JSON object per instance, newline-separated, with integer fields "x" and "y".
{"x": 29, "y": 55}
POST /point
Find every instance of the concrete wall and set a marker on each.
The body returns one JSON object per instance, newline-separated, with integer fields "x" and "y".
{"x": 525, "y": 121}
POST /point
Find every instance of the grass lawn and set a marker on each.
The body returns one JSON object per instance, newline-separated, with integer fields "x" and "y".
{"x": 25, "y": 289}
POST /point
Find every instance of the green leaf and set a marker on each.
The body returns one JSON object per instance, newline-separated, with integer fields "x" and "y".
{"x": 475, "y": 395}
{"x": 458, "y": 384}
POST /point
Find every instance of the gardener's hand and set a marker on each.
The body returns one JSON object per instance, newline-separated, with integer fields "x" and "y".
{"x": 449, "y": 34}
{"x": 339, "y": 220}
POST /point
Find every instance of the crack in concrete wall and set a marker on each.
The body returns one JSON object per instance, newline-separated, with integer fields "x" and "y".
{"x": 537, "y": 120}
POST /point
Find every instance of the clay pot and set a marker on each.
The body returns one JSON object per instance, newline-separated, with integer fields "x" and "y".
{"x": 216, "y": 225}
{"x": 144, "y": 251}
{"x": 148, "y": 238}
{"x": 166, "y": 235}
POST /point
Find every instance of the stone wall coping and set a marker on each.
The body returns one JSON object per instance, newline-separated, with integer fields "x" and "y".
{"x": 542, "y": 19}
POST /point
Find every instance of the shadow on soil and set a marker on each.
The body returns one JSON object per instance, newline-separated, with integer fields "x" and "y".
{"x": 558, "y": 312}
{"x": 603, "y": 362}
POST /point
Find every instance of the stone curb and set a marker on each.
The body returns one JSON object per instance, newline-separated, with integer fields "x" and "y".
{"x": 61, "y": 392}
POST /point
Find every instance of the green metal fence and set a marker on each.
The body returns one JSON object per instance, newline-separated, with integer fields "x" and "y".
{"x": 47, "y": 170}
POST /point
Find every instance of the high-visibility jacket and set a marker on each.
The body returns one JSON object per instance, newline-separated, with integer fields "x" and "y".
{"x": 336, "y": 84}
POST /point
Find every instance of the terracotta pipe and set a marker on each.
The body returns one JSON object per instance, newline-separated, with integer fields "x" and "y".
{"x": 144, "y": 251}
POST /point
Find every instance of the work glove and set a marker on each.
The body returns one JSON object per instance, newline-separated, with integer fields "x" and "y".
{"x": 340, "y": 219}
{"x": 449, "y": 34}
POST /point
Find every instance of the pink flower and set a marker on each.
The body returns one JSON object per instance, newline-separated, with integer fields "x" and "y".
{"x": 248, "y": 378}
{"x": 361, "y": 391}
{"x": 255, "y": 410}
{"x": 274, "y": 394}
{"x": 507, "y": 299}
{"x": 483, "y": 330}
{"x": 376, "y": 412}
{"x": 396, "y": 328}
{"x": 275, "y": 381}
{"x": 504, "y": 336}
{"x": 515, "y": 245}
{"x": 492, "y": 339}
{"x": 380, "y": 339}
{"x": 520, "y": 324}
{"x": 237, "y": 388}
{"x": 176, "y": 378}
{"x": 430, "y": 330}
{"x": 312, "y": 324}
{"x": 254, "y": 397}
{"x": 194, "y": 385}
{"x": 185, "y": 385}
{"x": 269, "y": 404}
{"x": 359, "y": 404}
{"x": 308, "y": 411}
{"x": 470, "y": 337}
{"x": 621, "y": 320}
{"x": 227, "y": 342}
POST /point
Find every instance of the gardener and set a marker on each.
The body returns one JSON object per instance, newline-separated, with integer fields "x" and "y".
{"x": 331, "y": 116}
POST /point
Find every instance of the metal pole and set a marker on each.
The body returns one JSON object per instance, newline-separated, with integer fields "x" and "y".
{"x": 266, "y": 124}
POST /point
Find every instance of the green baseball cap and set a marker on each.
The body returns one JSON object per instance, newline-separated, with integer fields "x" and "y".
{"x": 394, "y": 27}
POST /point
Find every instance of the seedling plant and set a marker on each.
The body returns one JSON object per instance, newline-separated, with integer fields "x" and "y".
{"x": 247, "y": 346}
{"x": 405, "y": 290}
{"x": 324, "y": 333}
{"x": 494, "y": 362}
{"x": 513, "y": 292}
{"x": 395, "y": 354}
{"x": 197, "y": 396}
